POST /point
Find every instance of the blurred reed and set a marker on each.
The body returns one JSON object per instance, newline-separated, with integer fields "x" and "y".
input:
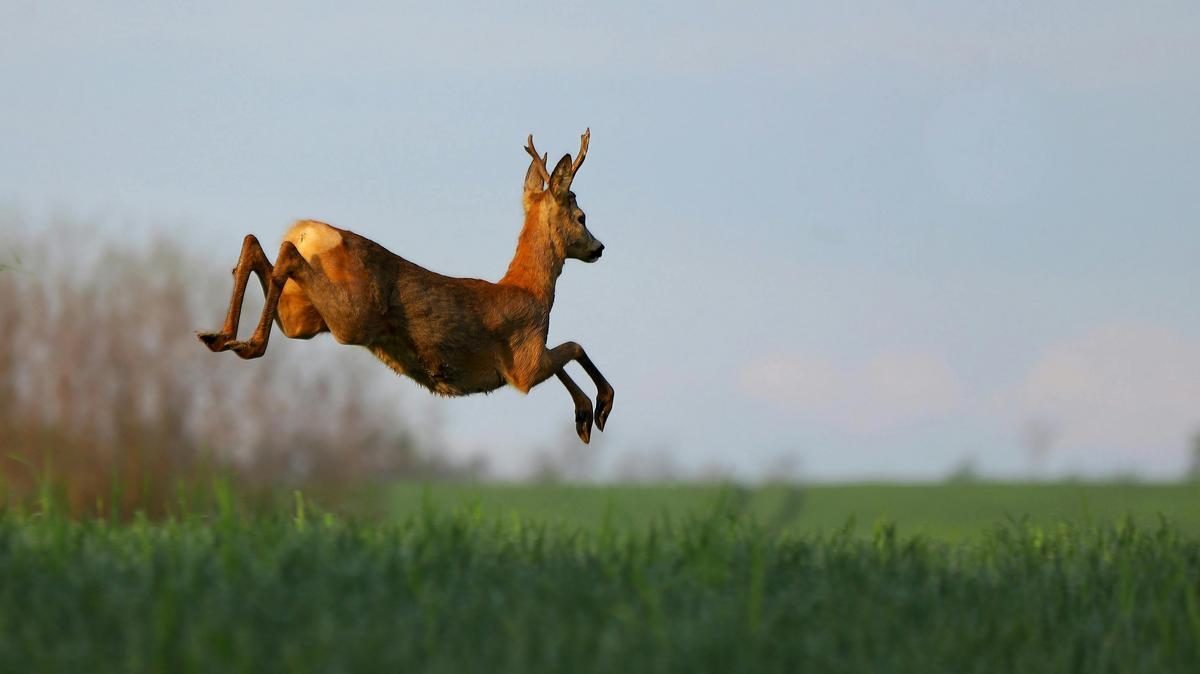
{"x": 107, "y": 398}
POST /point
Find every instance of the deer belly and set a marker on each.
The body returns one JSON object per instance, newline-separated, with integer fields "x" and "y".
{"x": 451, "y": 383}
{"x": 463, "y": 375}
{"x": 474, "y": 373}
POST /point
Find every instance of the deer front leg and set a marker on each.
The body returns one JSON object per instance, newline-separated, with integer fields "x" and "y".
{"x": 252, "y": 259}
{"x": 604, "y": 391}
{"x": 583, "y": 406}
{"x": 288, "y": 263}
{"x": 552, "y": 362}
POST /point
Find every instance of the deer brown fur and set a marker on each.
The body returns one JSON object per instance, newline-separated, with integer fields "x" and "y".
{"x": 454, "y": 336}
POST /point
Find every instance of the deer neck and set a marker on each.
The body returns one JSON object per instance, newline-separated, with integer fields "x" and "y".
{"x": 538, "y": 261}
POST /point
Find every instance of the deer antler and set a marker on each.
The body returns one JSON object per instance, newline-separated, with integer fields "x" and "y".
{"x": 538, "y": 161}
{"x": 583, "y": 145}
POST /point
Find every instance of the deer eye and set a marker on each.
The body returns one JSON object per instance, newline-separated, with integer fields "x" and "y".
{"x": 583, "y": 218}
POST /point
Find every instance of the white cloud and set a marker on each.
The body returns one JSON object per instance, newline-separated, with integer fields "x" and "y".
{"x": 1129, "y": 388}
{"x": 887, "y": 391}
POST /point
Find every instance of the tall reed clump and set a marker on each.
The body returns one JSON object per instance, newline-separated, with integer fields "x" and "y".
{"x": 108, "y": 401}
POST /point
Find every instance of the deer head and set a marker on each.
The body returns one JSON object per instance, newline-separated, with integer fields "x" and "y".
{"x": 550, "y": 193}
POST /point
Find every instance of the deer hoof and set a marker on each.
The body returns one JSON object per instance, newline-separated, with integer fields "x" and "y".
{"x": 215, "y": 341}
{"x": 245, "y": 350}
{"x": 604, "y": 403}
{"x": 583, "y": 424}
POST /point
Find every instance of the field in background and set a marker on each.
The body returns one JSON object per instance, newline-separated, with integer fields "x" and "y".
{"x": 298, "y": 591}
{"x": 946, "y": 511}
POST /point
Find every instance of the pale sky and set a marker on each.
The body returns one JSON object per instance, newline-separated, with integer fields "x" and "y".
{"x": 880, "y": 239}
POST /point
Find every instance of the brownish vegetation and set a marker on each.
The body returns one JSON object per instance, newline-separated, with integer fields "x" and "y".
{"x": 105, "y": 395}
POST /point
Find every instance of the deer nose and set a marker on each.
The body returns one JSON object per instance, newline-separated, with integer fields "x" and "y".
{"x": 598, "y": 252}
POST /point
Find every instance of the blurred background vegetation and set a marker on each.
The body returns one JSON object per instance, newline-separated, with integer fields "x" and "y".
{"x": 110, "y": 407}
{"x": 106, "y": 396}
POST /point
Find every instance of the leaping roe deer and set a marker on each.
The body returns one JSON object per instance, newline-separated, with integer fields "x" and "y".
{"x": 454, "y": 336}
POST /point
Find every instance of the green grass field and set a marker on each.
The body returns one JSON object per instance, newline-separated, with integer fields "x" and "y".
{"x": 538, "y": 579}
{"x": 943, "y": 511}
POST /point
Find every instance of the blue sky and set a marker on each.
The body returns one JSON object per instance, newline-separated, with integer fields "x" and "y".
{"x": 880, "y": 239}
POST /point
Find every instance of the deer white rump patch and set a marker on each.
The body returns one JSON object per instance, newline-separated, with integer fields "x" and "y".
{"x": 311, "y": 237}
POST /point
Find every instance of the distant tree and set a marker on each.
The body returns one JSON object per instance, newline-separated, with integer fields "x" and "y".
{"x": 1193, "y": 472}
{"x": 565, "y": 461}
{"x": 1038, "y": 435}
{"x": 965, "y": 471}
{"x": 714, "y": 472}
{"x": 647, "y": 465}
{"x": 786, "y": 467}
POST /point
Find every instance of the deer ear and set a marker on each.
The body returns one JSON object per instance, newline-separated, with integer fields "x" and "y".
{"x": 560, "y": 180}
{"x": 533, "y": 177}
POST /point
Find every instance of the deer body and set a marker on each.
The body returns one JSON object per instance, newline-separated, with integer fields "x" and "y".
{"x": 454, "y": 336}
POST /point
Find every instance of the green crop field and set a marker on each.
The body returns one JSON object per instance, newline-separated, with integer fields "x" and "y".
{"x": 502, "y": 579}
{"x": 943, "y": 511}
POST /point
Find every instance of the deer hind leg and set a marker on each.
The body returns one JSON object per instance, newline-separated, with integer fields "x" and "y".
{"x": 296, "y": 315}
{"x": 252, "y": 259}
{"x": 288, "y": 264}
